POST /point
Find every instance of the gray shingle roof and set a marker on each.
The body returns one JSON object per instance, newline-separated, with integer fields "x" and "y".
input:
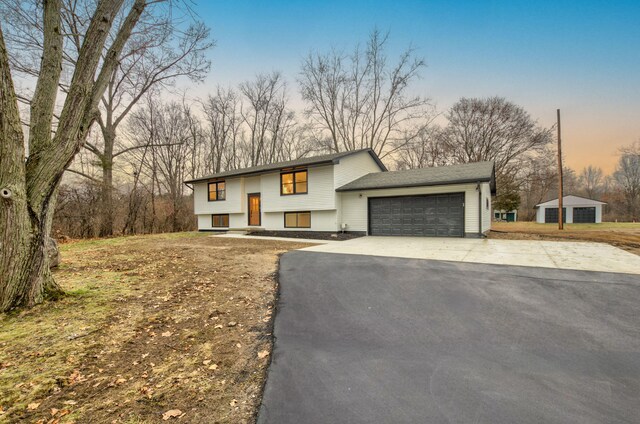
{"x": 440, "y": 175}
{"x": 313, "y": 160}
{"x": 570, "y": 200}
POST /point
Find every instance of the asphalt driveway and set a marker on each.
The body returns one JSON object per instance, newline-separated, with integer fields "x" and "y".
{"x": 366, "y": 339}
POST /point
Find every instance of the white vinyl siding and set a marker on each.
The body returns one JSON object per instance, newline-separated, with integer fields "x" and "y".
{"x": 355, "y": 204}
{"x": 231, "y": 204}
{"x": 252, "y": 185}
{"x": 486, "y": 210}
{"x": 320, "y": 221}
{"x": 352, "y": 167}
{"x": 236, "y": 220}
{"x": 320, "y": 192}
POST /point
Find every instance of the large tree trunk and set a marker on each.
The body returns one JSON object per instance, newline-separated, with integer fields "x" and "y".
{"x": 106, "y": 198}
{"x": 106, "y": 161}
{"x": 28, "y": 187}
{"x": 26, "y": 278}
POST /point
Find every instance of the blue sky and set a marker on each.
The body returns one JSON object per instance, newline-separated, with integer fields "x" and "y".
{"x": 581, "y": 57}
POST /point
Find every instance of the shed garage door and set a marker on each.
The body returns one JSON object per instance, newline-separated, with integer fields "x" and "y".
{"x": 551, "y": 215}
{"x": 584, "y": 215}
{"x": 437, "y": 215}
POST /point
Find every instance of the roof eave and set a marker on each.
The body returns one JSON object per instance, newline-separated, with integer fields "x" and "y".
{"x": 253, "y": 173}
{"x": 430, "y": 184}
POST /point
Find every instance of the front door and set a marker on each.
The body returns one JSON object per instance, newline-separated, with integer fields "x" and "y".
{"x": 254, "y": 209}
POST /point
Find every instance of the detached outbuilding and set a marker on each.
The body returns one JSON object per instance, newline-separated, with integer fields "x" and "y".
{"x": 576, "y": 210}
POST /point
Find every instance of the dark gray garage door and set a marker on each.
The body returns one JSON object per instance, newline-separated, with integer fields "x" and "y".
{"x": 551, "y": 215}
{"x": 584, "y": 215}
{"x": 437, "y": 215}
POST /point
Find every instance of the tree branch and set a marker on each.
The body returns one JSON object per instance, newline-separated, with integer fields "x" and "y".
{"x": 73, "y": 171}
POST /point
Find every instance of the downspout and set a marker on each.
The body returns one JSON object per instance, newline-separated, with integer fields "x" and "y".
{"x": 479, "y": 188}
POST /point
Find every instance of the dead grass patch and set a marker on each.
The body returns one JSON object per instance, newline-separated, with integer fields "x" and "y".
{"x": 150, "y": 324}
{"x": 625, "y": 235}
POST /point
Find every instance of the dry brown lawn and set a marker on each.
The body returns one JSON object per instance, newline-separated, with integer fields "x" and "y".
{"x": 625, "y": 235}
{"x": 175, "y": 324}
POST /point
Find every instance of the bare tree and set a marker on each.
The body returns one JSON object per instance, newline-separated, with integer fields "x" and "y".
{"x": 538, "y": 178}
{"x": 425, "y": 149}
{"x": 28, "y": 184}
{"x": 167, "y": 126}
{"x": 360, "y": 100}
{"x": 627, "y": 177}
{"x": 156, "y": 55}
{"x": 222, "y": 116}
{"x": 591, "y": 181}
{"x": 265, "y": 116}
{"x": 161, "y": 50}
{"x": 493, "y": 129}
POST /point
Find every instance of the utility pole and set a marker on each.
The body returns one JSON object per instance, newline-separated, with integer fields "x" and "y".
{"x": 560, "y": 191}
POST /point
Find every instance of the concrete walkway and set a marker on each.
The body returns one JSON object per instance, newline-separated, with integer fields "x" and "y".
{"x": 583, "y": 256}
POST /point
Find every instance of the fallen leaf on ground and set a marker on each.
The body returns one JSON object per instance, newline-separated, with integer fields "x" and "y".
{"x": 263, "y": 354}
{"x": 172, "y": 413}
{"x": 213, "y": 367}
{"x": 167, "y": 334}
{"x": 70, "y": 402}
{"x": 33, "y": 406}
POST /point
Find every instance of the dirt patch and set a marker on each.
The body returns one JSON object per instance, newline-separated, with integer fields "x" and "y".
{"x": 314, "y": 235}
{"x": 152, "y": 325}
{"x": 623, "y": 235}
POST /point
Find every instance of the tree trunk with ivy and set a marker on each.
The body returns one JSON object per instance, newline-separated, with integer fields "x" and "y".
{"x": 28, "y": 185}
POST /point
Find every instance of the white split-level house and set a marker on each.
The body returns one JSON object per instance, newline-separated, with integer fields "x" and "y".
{"x": 576, "y": 210}
{"x": 349, "y": 191}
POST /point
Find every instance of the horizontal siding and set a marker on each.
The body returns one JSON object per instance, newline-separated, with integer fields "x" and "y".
{"x": 236, "y": 220}
{"x": 354, "y": 207}
{"x": 320, "y": 221}
{"x": 232, "y": 204}
{"x": 486, "y": 206}
{"x": 353, "y": 167}
{"x": 320, "y": 196}
{"x": 252, "y": 185}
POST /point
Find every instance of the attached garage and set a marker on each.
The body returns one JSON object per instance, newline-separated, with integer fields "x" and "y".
{"x": 577, "y": 210}
{"x": 431, "y": 215}
{"x": 448, "y": 201}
